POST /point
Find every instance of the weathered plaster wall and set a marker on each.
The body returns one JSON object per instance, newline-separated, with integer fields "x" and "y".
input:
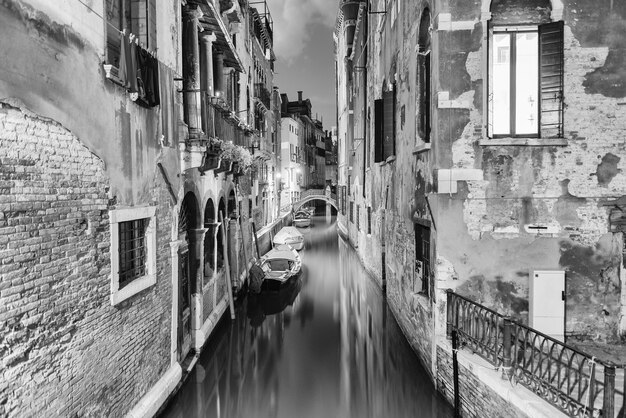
{"x": 65, "y": 350}
{"x": 482, "y": 227}
{"x": 69, "y": 43}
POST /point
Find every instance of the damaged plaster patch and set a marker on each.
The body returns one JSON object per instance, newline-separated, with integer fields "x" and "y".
{"x": 41, "y": 23}
{"x": 607, "y": 169}
{"x": 593, "y": 219}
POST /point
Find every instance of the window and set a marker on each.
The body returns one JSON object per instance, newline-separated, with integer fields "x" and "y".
{"x": 133, "y": 251}
{"x": 352, "y": 212}
{"x": 343, "y": 200}
{"x": 423, "y": 78}
{"x": 134, "y": 16}
{"x": 385, "y": 125}
{"x": 422, "y": 259}
{"x": 369, "y": 220}
{"x": 526, "y": 81}
{"x": 358, "y": 217}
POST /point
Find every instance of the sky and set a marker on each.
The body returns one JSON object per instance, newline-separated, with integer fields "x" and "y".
{"x": 303, "y": 44}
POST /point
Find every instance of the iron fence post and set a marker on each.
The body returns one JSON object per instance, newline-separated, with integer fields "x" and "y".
{"x": 506, "y": 348}
{"x": 608, "y": 406}
{"x": 449, "y": 296}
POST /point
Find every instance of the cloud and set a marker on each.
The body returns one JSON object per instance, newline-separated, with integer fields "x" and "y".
{"x": 292, "y": 24}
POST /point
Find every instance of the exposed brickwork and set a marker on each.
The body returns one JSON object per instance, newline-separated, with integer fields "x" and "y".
{"x": 65, "y": 350}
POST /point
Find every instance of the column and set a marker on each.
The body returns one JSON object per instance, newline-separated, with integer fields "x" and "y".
{"x": 196, "y": 237}
{"x": 207, "y": 62}
{"x": 191, "y": 70}
{"x": 206, "y": 77}
{"x": 219, "y": 73}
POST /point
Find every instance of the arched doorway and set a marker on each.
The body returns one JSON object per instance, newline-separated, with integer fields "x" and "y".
{"x": 210, "y": 241}
{"x": 187, "y": 222}
{"x": 221, "y": 209}
{"x": 232, "y": 205}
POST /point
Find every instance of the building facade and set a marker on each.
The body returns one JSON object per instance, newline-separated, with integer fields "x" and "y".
{"x": 128, "y": 197}
{"x": 478, "y": 151}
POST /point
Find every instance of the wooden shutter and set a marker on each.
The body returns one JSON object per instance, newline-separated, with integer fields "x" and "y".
{"x": 551, "y": 79}
{"x": 389, "y": 111}
{"x": 152, "y": 38}
{"x": 378, "y": 131}
{"x": 424, "y": 95}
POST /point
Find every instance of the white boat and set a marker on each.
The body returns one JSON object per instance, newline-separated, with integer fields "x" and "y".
{"x": 302, "y": 219}
{"x": 289, "y": 235}
{"x": 275, "y": 268}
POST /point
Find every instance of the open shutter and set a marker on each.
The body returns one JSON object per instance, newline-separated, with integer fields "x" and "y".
{"x": 378, "y": 131}
{"x": 551, "y": 79}
{"x": 152, "y": 39}
{"x": 389, "y": 110}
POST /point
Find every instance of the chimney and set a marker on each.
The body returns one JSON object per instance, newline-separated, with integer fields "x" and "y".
{"x": 299, "y": 96}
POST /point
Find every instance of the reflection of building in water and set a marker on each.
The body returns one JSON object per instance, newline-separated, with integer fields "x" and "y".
{"x": 379, "y": 375}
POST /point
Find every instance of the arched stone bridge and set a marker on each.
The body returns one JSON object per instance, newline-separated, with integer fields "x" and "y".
{"x": 310, "y": 195}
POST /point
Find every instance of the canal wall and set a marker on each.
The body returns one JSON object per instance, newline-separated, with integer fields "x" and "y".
{"x": 482, "y": 390}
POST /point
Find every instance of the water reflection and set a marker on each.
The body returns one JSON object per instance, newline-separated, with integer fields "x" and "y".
{"x": 326, "y": 345}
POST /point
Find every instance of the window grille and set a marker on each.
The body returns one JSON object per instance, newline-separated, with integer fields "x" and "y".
{"x": 358, "y": 217}
{"x": 352, "y": 212}
{"x": 132, "y": 250}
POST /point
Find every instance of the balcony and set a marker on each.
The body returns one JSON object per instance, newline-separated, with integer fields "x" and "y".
{"x": 218, "y": 122}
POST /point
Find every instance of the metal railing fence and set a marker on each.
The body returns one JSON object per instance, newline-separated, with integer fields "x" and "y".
{"x": 577, "y": 383}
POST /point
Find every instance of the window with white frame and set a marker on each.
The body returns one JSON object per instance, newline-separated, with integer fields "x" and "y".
{"x": 133, "y": 251}
{"x": 526, "y": 81}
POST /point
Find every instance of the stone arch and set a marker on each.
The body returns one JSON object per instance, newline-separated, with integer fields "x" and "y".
{"x": 556, "y": 13}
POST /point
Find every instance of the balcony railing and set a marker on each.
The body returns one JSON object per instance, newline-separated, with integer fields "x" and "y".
{"x": 575, "y": 382}
{"x": 218, "y": 121}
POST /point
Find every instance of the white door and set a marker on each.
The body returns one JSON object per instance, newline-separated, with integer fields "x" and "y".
{"x": 547, "y": 302}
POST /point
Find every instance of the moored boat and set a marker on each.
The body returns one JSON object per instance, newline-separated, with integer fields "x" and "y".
{"x": 302, "y": 219}
{"x": 289, "y": 235}
{"x": 276, "y": 267}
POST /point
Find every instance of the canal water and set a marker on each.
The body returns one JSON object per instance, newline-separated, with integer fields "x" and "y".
{"x": 326, "y": 345}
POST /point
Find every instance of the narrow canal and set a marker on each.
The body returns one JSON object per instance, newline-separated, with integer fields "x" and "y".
{"x": 327, "y": 345}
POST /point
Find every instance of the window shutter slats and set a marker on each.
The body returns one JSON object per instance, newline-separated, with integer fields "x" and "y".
{"x": 152, "y": 38}
{"x": 389, "y": 123}
{"x": 551, "y": 79}
{"x": 378, "y": 131}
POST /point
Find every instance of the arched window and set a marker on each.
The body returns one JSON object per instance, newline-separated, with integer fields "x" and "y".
{"x": 423, "y": 78}
{"x": 525, "y": 96}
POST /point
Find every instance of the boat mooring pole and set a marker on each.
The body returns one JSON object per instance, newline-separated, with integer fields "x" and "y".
{"x": 256, "y": 240}
{"x": 455, "y": 371}
{"x": 228, "y": 282}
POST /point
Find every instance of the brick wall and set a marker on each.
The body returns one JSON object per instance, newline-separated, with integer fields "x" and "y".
{"x": 65, "y": 350}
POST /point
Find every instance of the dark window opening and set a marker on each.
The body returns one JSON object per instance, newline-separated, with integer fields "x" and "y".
{"x": 423, "y": 82}
{"x": 422, "y": 259}
{"x": 137, "y": 17}
{"x": 369, "y": 220}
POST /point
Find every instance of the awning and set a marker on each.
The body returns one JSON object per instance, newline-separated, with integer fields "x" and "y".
{"x": 212, "y": 21}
